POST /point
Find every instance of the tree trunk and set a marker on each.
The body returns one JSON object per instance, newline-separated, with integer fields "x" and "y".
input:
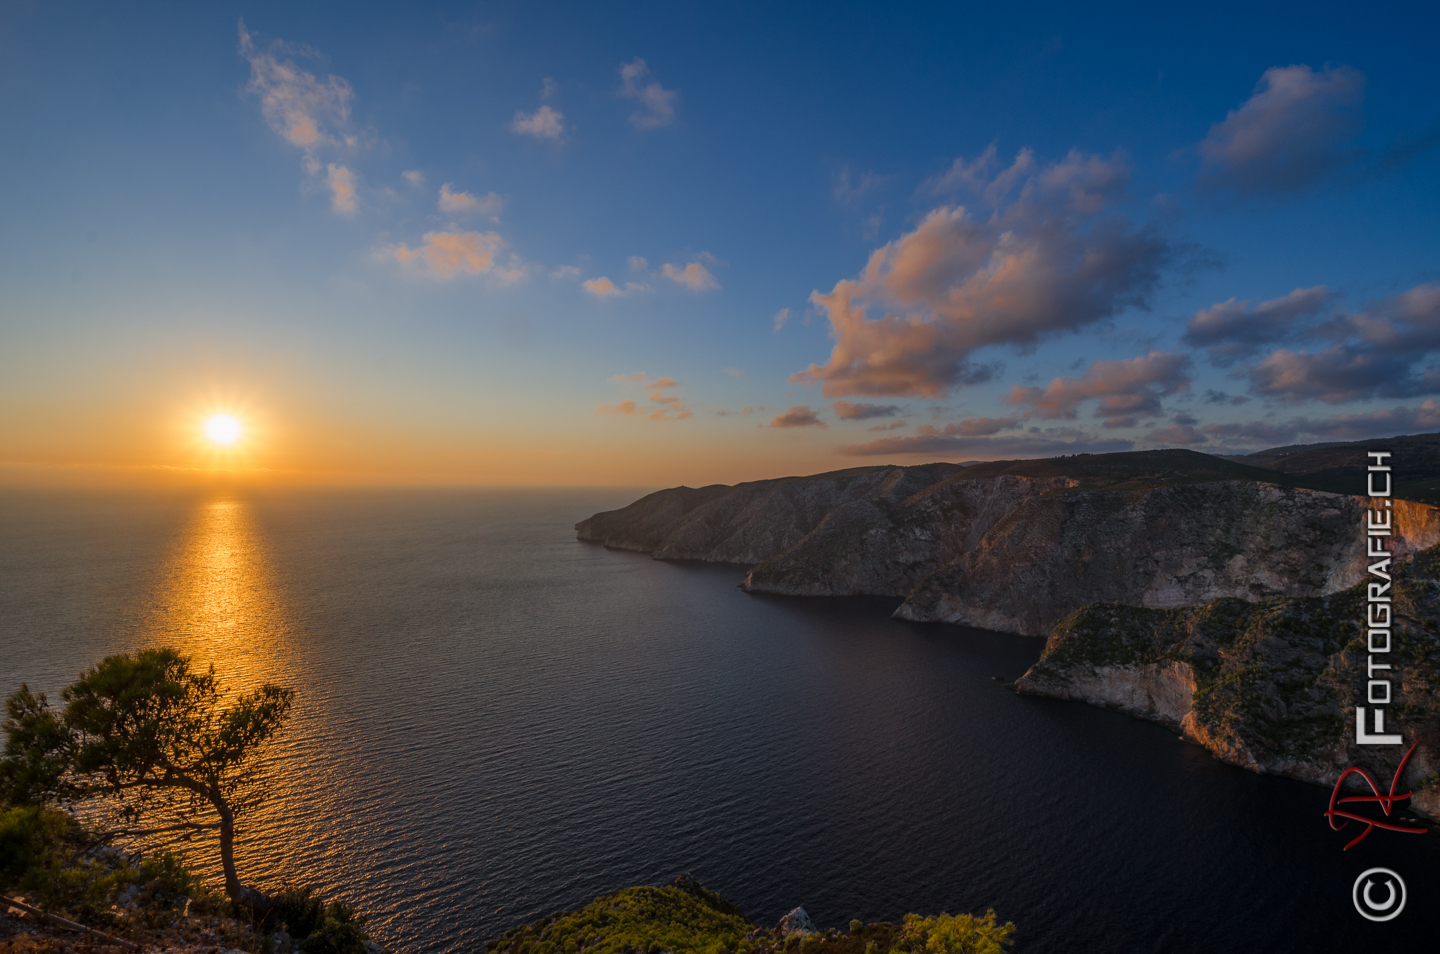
{"x": 258, "y": 903}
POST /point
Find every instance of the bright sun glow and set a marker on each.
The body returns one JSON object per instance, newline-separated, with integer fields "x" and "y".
{"x": 223, "y": 429}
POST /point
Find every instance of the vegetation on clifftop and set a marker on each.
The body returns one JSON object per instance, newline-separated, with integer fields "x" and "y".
{"x": 687, "y": 918}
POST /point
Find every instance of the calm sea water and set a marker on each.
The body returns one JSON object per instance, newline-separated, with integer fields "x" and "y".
{"x": 495, "y": 721}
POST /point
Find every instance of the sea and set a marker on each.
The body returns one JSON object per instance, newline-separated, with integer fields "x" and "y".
{"x": 494, "y": 721}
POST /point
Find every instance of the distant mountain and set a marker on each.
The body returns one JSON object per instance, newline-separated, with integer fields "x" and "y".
{"x": 1340, "y": 467}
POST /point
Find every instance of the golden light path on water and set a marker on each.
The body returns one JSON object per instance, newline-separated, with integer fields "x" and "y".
{"x": 219, "y": 602}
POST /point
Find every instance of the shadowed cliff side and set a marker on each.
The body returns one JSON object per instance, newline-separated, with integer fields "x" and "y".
{"x": 1270, "y": 686}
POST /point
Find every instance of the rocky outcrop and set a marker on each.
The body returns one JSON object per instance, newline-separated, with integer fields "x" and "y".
{"x": 1269, "y": 685}
{"x": 1016, "y": 546}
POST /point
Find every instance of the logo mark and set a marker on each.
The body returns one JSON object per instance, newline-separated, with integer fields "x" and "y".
{"x": 1387, "y": 802}
{"x": 1379, "y": 894}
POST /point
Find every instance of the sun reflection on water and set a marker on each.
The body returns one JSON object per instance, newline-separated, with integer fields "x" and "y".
{"x": 219, "y": 602}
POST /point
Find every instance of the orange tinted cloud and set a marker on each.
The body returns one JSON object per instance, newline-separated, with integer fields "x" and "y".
{"x": 694, "y": 276}
{"x": 798, "y": 416}
{"x": 1127, "y": 389}
{"x": 341, "y": 182}
{"x": 1042, "y": 267}
{"x": 446, "y": 254}
{"x": 463, "y": 203}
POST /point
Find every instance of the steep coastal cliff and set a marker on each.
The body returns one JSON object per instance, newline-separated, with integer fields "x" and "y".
{"x": 1016, "y": 546}
{"x": 1268, "y": 685}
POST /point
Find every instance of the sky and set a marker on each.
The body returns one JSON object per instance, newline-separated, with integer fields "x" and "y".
{"x": 651, "y": 244}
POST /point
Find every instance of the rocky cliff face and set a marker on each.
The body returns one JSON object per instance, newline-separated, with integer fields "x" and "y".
{"x": 1268, "y": 685}
{"x": 1018, "y": 546}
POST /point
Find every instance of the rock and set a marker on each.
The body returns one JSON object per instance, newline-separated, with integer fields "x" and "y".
{"x": 282, "y": 942}
{"x": 372, "y": 948}
{"x": 797, "y": 922}
{"x": 1270, "y": 686}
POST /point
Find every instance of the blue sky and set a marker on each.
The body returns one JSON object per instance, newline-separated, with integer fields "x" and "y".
{"x": 406, "y": 243}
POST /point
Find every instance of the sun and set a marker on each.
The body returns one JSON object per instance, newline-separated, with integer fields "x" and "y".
{"x": 223, "y": 429}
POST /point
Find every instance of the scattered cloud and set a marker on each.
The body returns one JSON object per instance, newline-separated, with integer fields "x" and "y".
{"x": 463, "y": 203}
{"x": 1234, "y": 329}
{"x": 662, "y": 406}
{"x": 694, "y": 276}
{"x": 892, "y": 426}
{"x": 847, "y": 411}
{"x": 1046, "y": 264}
{"x": 447, "y": 254}
{"x": 847, "y": 188}
{"x": 658, "y": 104}
{"x": 306, "y": 111}
{"x": 1085, "y": 181}
{"x": 566, "y": 273}
{"x": 1044, "y": 444}
{"x": 1126, "y": 389}
{"x": 544, "y": 123}
{"x": 341, "y": 182}
{"x": 1221, "y": 397}
{"x": 1290, "y": 134}
{"x": 781, "y": 316}
{"x": 415, "y": 177}
{"x": 982, "y": 426}
{"x": 799, "y": 416}
{"x": 603, "y": 287}
{"x": 1386, "y": 350}
{"x": 636, "y": 263}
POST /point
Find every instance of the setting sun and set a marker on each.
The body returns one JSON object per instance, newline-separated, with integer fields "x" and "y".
{"x": 223, "y": 429}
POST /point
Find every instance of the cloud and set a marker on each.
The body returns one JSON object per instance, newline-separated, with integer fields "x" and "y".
{"x": 847, "y": 411}
{"x": 415, "y": 177}
{"x": 1182, "y": 434}
{"x": 603, "y": 287}
{"x": 694, "y": 276}
{"x": 463, "y": 203}
{"x": 636, "y": 263}
{"x": 1289, "y": 134}
{"x": 799, "y": 416}
{"x": 733, "y": 372}
{"x": 544, "y": 123}
{"x": 341, "y": 183}
{"x": 1383, "y": 422}
{"x": 1378, "y": 352}
{"x": 662, "y": 406}
{"x": 982, "y": 426}
{"x": 1234, "y": 329}
{"x": 989, "y": 448}
{"x": 1084, "y": 182}
{"x": 893, "y": 425}
{"x": 1043, "y": 266}
{"x": 847, "y": 190}
{"x": 781, "y": 316}
{"x": 659, "y": 103}
{"x": 446, "y": 254}
{"x": 306, "y": 111}
{"x": 566, "y": 273}
{"x": 1126, "y": 389}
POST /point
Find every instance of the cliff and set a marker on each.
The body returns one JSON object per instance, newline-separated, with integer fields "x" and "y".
{"x": 1017, "y": 546}
{"x": 1268, "y": 685}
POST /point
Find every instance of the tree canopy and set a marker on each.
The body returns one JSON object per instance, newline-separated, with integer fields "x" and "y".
{"x": 152, "y": 738}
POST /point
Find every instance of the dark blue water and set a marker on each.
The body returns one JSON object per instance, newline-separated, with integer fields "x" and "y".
{"x": 495, "y": 721}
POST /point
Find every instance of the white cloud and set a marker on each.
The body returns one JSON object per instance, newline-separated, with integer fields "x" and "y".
{"x": 341, "y": 183}
{"x": 659, "y": 102}
{"x": 694, "y": 276}
{"x": 603, "y": 287}
{"x": 544, "y": 123}
{"x": 463, "y": 203}
{"x": 306, "y": 111}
